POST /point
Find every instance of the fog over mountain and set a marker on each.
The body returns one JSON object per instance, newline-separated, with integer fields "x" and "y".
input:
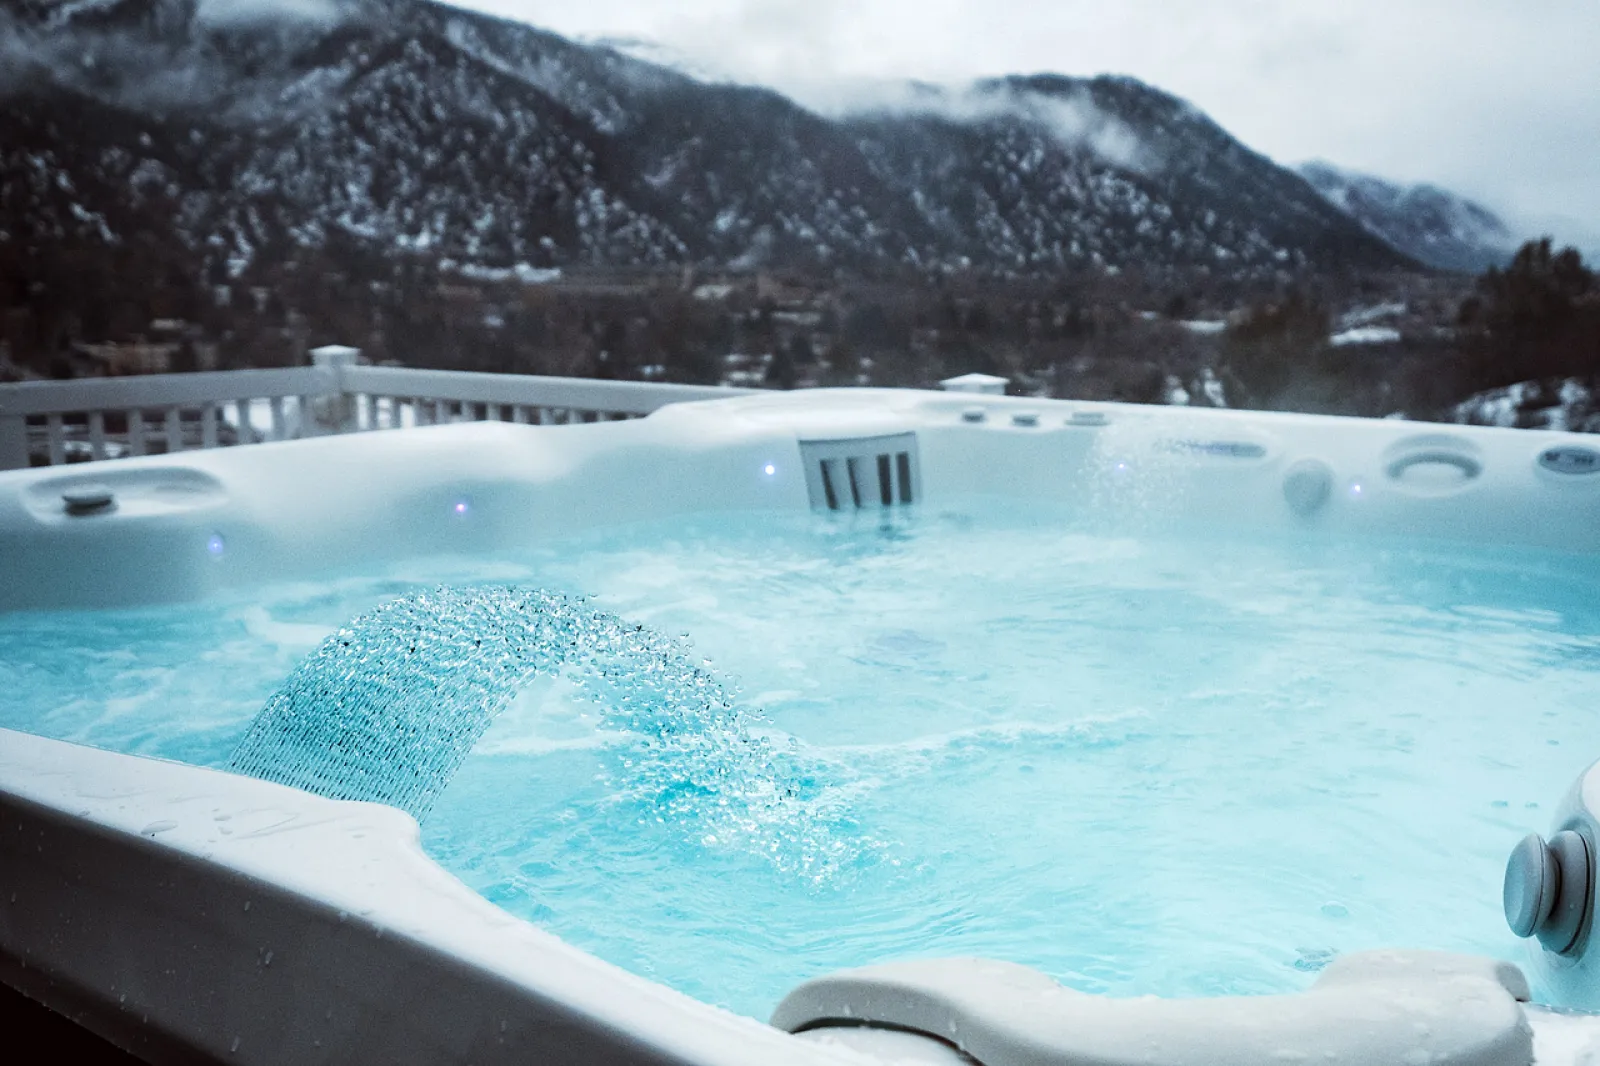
{"x": 1486, "y": 98}
{"x": 242, "y": 127}
{"x": 1427, "y": 223}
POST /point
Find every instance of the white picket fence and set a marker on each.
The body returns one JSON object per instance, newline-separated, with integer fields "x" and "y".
{"x": 104, "y": 418}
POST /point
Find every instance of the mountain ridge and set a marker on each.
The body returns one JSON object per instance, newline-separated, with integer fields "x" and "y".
{"x": 1432, "y": 225}
{"x": 419, "y": 128}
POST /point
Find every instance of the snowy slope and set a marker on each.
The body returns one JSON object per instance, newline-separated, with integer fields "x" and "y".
{"x": 1429, "y": 224}
{"x": 243, "y": 128}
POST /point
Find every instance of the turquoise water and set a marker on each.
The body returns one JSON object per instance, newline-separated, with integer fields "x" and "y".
{"x": 1142, "y": 765}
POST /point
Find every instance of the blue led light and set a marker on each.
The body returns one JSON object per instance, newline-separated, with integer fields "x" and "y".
{"x": 216, "y": 545}
{"x": 770, "y": 470}
{"x": 1355, "y": 489}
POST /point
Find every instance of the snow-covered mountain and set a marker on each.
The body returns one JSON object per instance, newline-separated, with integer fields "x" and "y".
{"x": 1427, "y": 223}
{"x": 238, "y": 128}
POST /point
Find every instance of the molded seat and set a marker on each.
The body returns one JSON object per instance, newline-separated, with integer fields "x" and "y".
{"x": 1381, "y": 1008}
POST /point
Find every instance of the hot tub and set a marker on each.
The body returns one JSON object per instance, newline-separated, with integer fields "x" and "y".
{"x": 890, "y": 544}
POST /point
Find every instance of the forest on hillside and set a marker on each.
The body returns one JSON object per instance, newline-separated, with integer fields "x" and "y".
{"x": 1412, "y": 342}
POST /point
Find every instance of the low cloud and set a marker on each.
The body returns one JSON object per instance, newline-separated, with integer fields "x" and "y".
{"x": 254, "y": 12}
{"x": 167, "y": 69}
{"x": 1074, "y": 121}
{"x": 1483, "y": 97}
{"x": 1078, "y": 121}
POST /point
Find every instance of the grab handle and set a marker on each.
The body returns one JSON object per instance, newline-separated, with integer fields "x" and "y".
{"x": 1466, "y": 464}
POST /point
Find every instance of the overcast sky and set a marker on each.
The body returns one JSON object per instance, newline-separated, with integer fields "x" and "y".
{"x": 1498, "y": 99}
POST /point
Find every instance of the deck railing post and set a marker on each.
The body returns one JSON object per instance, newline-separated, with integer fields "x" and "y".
{"x": 13, "y": 441}
{"x": 335, "y": 411}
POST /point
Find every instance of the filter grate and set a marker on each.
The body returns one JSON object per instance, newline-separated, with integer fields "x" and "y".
{"x": 862, "y": 472}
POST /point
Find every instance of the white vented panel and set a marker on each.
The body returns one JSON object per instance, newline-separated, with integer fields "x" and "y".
{"x": 862, "y": 472}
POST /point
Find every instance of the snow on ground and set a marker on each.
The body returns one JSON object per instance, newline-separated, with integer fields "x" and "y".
{"x": 1568, "y": 406}
{"x": 1365, "y": 335}
{"x": 523, "y": 272}
{"x": 1366, "y": 316}
{"x": 258, "y": 417}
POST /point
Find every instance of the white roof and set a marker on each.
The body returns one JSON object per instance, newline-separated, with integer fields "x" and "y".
{"x": 986, "y": 384}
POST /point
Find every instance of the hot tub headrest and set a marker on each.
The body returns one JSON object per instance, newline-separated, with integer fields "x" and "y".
{"x": 1381, "y": 1008}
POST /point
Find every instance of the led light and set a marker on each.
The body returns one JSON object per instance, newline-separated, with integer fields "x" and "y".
{"x": 1355, "y": 489}
{"x": 216, "y": 545}
{"x": 769, "y": 470}
{"x": 461, "y": 507}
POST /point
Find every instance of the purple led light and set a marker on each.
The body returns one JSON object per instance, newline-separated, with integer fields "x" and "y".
{"x": 461, "y": 507}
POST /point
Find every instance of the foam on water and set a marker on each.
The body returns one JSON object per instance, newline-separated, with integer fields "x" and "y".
{"x": 1145, "y": 765}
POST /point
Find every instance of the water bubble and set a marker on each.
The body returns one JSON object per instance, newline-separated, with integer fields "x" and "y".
{"x": 1314, "y": 960}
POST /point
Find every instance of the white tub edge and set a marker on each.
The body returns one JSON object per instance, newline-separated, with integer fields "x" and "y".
{"x": 109, "y": 862}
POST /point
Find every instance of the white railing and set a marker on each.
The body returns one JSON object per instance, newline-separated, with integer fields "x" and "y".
{"x": 53, "y": 422}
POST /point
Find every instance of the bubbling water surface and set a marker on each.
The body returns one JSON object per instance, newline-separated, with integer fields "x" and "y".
{"x": 1155, "y": 764}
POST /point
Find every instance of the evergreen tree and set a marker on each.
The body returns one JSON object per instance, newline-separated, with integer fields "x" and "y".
{"x": 1538, "y": 318}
